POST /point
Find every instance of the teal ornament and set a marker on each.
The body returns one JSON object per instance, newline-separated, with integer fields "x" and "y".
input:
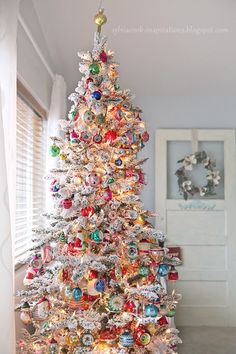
{"x": 171, "y": 313}
{"x": 94, "y": 69}
{"x": 73, "y": 114}
{"x": 110, "y": 180}
{"x": 132, "y": 250}
{"x": 126, "y": 339}
{"x": 151, "y": 310}
{"x": 116, "y": 303}
{"x": 100, "y": 118}
{"x": 100, "y": 285}
{"x": 54, "y": 150}
{"x": 77, "y": 293}
{"x": 143, "y": 270}
{"x": 142, "y": 144}
{"x": 163, "y": 270}
{"x": 96, "y": 236}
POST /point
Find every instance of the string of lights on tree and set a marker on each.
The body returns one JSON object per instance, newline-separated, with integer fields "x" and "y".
{"x": 95, "y": 282}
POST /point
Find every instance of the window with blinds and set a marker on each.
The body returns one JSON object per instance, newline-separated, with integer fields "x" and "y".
{"x": 30, "y": 169}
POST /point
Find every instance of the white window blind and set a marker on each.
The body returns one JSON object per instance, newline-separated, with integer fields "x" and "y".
{"x": 30, "y": 169}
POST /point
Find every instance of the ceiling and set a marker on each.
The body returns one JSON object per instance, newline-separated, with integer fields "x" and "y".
{"x": 152, "y": 63}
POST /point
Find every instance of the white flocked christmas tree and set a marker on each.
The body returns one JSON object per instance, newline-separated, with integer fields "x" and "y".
{"x": 96, "y": 277}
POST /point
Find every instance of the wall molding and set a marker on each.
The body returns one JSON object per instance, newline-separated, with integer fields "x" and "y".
{"x": 36, "y": 47}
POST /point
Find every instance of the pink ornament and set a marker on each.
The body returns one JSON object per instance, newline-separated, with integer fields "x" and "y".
{"x": 73, "y": 135}
{"x": 141, "y": 177}
{"x": 46, "y": 253}
{"x": 93, "y": 179}
{"x": 145, "y": 137}
{"x": 67, "y": 203}
{"x": 103, "y": 57}
{"x": 107, "y": 196}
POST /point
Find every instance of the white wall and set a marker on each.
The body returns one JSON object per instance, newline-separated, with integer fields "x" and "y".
{"x": 30, "y": 67}
{"x": 180, "y": 112}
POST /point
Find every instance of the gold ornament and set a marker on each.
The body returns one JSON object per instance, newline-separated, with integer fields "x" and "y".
{"x": 100, "y": 19}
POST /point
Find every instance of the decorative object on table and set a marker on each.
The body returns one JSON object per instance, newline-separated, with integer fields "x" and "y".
{"x": 186, "y": 186}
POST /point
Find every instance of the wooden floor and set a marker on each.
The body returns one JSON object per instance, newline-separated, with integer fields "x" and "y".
{"x": 207, "y": 340}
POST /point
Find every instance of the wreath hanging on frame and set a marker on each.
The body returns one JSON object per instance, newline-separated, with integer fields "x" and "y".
{"x": 186, "y": 186}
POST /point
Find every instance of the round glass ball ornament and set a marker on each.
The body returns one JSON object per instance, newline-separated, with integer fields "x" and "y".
{"x": 142, "y": 336}
{"x": 97, "y": 138}
{"x": 118, "y": 162}
{"x": 96, "y": 95}
{"x": 100, "y": 119}
{"x": 115, "y": 303}
{"x": 77, "y": 294}
{"x": 55, "y": 186}
{"x": 107, "y": 195}
{"x": 93, "y": 179}
{"x": 54, "y": 150}
{"x": 103, "y": 56}
{"x": 143, "y": 271}
{"x": 94, "y": 68}
{"x": 132, "y": 250}
{"x": 171, "y": 313}
{"x": 151, "y": 310}
{"x": 126, "y": 339}
{"x": 67, "y": 203}
{"x": 163, "y": 270}
{"x": 87, "y": 339}
{"x": 88, "y": 117}
{"x": 96, "y": 236}
{"x": 100, "y": 285}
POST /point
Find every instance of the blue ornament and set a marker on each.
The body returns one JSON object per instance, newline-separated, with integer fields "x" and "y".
{"x": 96, "y": 236}
{"x": 142, "y": 144}
{"x": 118, "y": 162}
{"x": 77, "y": 293}
{"x": 97, "y": 95}
{"x": 151, "y": 310}
{"x": 163, "y": 270}
{"x": 126, "y": 339}
{"x": 100, "y": 285}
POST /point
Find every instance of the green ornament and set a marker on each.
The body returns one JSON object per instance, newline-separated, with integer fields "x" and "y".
{"x": 54, "y": 150}
{"x": 96, "y": 236}
{"x": 100, "y": 119}
{"x": 171, "y": 313}
{"x": 143, "y": 271}
{"x": 62, "y": 237}
{"x": 94, "y": 69}
{"x": 110, "y": 180}
{"x": 73, "y": 114}
{"x": 117, "y": 86}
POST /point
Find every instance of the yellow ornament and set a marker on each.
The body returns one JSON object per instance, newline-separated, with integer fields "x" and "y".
{"x": 100, "y": 19}
{"x": 140, "y": 220}
{"x": 62, "y": 157}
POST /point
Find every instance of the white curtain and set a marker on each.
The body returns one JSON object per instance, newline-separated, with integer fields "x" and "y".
{"x": 57, "y": 111}
{"x": 8, "y": 32}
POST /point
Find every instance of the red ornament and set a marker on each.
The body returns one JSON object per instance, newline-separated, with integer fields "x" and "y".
{"x": 88, "y": 80}
{"x": 151, "y": 277}
{"x": 88, "y": 211}
{"x": 103, "y": 57}
{"x": 163, "y": 321}
{"x": 93, "y": 274}
{"x": 111, "y": 136}
{"x": 173, "y": 274}
{"x": 142, "y": 336}
{"x": 67, "y": 203}
{"x": 130, "y": 306}
{"x": 145, "y": 137}
{"x": 107, "y": 335}
{"x": 129, "y": 172}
